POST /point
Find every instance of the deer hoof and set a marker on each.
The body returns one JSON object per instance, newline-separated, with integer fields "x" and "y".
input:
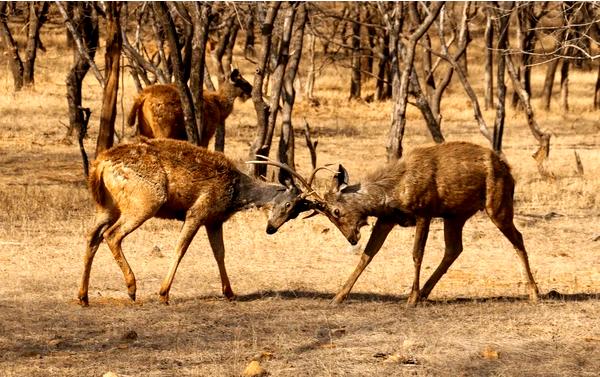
{"x": 164, "y": 298}
{"x": 83, "y": 301}
{"x": 132, "y": 296}
{"x": 337, "y": 300}
{"x": 229, "y": 295}
{"x": 413, "y": 300}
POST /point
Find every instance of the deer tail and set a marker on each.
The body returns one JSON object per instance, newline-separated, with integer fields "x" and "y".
{"x": 139, "y": 101}
{"x": 96, "y": 183}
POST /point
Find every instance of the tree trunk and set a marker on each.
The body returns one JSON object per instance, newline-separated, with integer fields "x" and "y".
{"x": 394, "y": 145}
{"x": 503, "y": 18}
{"x": 286, "y": 140}
{"x": 112, "y": 60}
{"x": 426, "y": 63}
{"x": 355, "y": 80}
{"x": 564, "y": 84}
{"x": 597, "y": 91}
{"x": 384, "y": 58}
{"x": 201, "y": 21}
{"x": 187, "y": 104}
{"x": 188, "y": 30}
{"x": 85, "y": 21}
{"x": 37, "y": 17}
{"x": 489, "y": 60}
{"x": 310, "y": 80}
{"x": 549, "y": 83}
{"x": 217, "y": 55}
{"x": 249, "y": 52}
{"x": 15, "y": 63}
{"x": 543, "y": 138}
{"x": 262, "y": 110}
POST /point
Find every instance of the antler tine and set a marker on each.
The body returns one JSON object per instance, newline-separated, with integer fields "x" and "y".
{"x": 314, "y": 172}
{"x": 281, "y": 166}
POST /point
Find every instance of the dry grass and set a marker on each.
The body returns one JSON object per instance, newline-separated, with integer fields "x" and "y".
{"x": 477, "y": 324}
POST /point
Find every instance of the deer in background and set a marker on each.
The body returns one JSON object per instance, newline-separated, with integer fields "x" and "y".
{"x": 451, "y": 180}
{"x": 159, "y": 114}
{"x": 171, "y": 179}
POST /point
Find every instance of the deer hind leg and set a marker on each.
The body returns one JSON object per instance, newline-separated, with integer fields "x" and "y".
{"x": 502, "y": 214}
{"x": 418, "y": 248}
{"x": 114, "y": 237}
{"x": 454, "y": 246}
{"x": 215, "y": 237}
{"x": 188, "y": 231}
{"x": 378, "y": 236}
{"x": 102, "y": 222}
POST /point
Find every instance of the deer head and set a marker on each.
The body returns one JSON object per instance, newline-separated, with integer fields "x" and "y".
{"x": 343, "y": 207}
{"x": 294, "y": 200}
{"x": 243, "y": 87}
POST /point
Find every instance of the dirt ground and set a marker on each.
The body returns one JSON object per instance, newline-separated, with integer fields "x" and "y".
{"x": 478, "y": 322}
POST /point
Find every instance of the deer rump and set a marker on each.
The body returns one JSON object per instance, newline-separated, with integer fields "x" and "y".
{"x": 159, "y": 113}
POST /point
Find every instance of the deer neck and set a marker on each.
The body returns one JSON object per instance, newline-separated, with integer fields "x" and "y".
{"x": 372, "y": 200}
{"x": 227, "y": 97}
{"x": 254, "y": 193}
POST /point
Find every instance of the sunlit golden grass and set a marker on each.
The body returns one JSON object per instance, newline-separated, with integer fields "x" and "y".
{"x": 284, "y": 282}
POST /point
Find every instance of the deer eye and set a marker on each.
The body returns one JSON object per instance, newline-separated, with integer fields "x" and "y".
{"x": 336, "y": 212}
{"x": 288, "y": 205}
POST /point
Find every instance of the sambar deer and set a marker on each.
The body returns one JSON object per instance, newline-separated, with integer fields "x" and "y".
{"x": 452, "y": 180}
{"x": 131, "y": 183}
{"x": 159, "y": 114}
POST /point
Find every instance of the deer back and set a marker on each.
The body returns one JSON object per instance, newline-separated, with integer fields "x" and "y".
{"x": 174, "y": 174}
{"x": 448, "y": 179}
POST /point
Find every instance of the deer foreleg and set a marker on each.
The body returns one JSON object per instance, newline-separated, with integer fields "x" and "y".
{"x": 453, "y": 241}
{"x": 188, "y": 231}
{"x": 215, "y": 237}
{"x": 418, "y": 248}
{"x": 378, "y": 235}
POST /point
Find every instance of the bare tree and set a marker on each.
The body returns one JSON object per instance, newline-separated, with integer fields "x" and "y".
{"x": 112, "y": 59}
{"x": 261, "y": 143}
{"x": 85, "y": 22}
{"x": 394, "y": 145}
{"x": 502, "y": 13}
{"x": 286, "y": 140}
{"x": 23, "y": 69}
{"x": 355, "y": 80}
{"x": 162, "y": 13}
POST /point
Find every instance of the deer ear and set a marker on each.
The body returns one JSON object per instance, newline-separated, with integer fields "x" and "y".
{"x": 341, "y": 179}
{"x": 234, "y": 75}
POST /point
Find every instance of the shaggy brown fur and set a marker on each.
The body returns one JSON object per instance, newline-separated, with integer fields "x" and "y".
{"x": 452, "y": 181}
{"x": 159, "y": 114}
{"x": 131, "y": 183}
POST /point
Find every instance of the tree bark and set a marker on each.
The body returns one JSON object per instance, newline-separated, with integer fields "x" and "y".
{"x": 262, "y": 109}
{"x": 355, "y": 80}
{"x": 201, "y": 20}
{"x": 85, "y": 21}
{"x": 542, "y": 137}
{"x": 229, "y": 33}
{"x": 112, "y": 60}
{"x": 597, "y": 91}
{"x": 286, "y": 140}
{"x": 489, "y": 60}
{"x": 15, "y": 62}
{"x": 564, "y": 83}
{"x": 80, "y": 44}
{"x": 37, "y": 17}
{"x": 394, "y": 144}
{"x": 187, "y": 105}
{"x": 503, "y": 17}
